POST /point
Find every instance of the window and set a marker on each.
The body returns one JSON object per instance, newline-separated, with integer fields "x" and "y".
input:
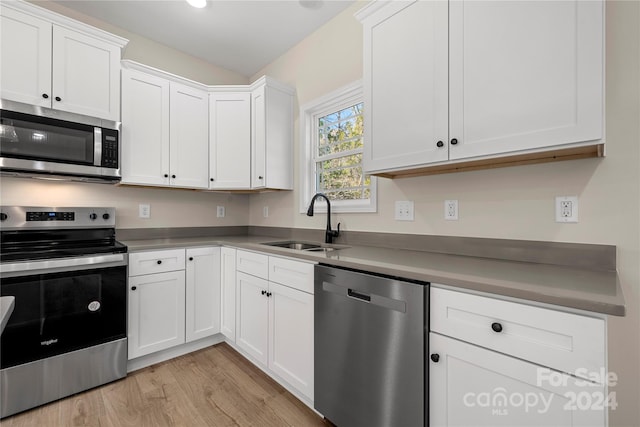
{"x": 332, "y": 153}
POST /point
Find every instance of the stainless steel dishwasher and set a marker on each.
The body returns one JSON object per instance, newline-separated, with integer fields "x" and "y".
{"x": 370, "y": 347}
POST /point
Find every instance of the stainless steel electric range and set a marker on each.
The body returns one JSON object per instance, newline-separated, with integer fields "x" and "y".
{"x": 67, "y": 332}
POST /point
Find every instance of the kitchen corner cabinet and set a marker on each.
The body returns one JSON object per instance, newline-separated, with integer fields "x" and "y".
{"x": 174, "y": 297}
{"x": 271, "y": 135}
{"x": 494, "y": 362}
{"x": 229, "y": 140}
{"x": 274, "y": 321}
{"x": 228, "y": 293}
{"x": 447, "y": 82}
{"x": 51, "y": 61}
{"x": 165, "y": 130}
{"x": 202, "y": 293}
{"x": 250, "y": 131}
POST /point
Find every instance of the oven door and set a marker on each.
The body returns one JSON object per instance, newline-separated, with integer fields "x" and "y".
{"x": 62, "y": 305}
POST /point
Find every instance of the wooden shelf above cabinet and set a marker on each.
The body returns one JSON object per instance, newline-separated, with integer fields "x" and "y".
{"x": 557, "y": 155}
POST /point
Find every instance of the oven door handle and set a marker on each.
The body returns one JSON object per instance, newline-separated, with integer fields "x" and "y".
{"x": 64, "y": 264}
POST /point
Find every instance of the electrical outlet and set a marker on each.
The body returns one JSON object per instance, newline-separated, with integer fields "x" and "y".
{"x": 451, "y": 210}
{"x": 567, "y": 209}
{"x": 404, "y": 210}
{"x": 220, "y": 211}
{"x": 144, "y": 210}
{"x": 265, "y": 211}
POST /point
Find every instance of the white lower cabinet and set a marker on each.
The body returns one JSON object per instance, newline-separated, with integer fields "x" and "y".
{"x": 274, "y": 321}
{"x": 252, "y": 313}
{"x": 202, "y": 293}
{"x": 156, "y": 312}
{"x": 291, "y": 336}
{"x": 228, "y": 293}
{"x": 470, "y": 385}
{"x": 503, "y": 363}
{"x": 170, "y": 308}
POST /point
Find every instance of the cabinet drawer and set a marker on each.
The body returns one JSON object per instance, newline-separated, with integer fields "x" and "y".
{"x": 568, "y": 342}
{"x": 295, "y": 274}
{"x": 156, "y": 261}
{"x": 253, "y": 263}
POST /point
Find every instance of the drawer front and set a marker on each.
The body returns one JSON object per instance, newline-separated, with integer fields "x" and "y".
{"x": 567, "y": 342}
{"x": 155, "y": 261}
{"x": 253, "y": 263}
{"x": 295, "y": 274}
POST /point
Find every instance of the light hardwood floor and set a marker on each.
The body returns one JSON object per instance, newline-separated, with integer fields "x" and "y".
{"x": 211, "y": 387}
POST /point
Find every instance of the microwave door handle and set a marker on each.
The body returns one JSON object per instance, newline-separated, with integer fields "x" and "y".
{"x": 97, "y": 146}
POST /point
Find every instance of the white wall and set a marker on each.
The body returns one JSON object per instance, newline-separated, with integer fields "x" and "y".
{"x": 148, "y": 52}
{"x": 512, "y": 203}
{"x": 169, "y": 207}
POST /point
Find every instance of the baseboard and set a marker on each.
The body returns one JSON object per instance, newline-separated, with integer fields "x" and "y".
{"x": 164, "y": 355}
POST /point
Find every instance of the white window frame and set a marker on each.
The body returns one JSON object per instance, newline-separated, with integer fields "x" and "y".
{"x": 309, "y": 114}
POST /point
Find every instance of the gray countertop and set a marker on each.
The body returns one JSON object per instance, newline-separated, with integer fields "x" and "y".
{"x": 596, "y": 291}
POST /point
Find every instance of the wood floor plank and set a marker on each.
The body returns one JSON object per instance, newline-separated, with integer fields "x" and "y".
{"x": 215, "y": 386}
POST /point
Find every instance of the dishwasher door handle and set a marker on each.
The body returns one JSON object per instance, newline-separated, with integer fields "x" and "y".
{"x": 357, "y": 295}
{"x": 372, "y": 298}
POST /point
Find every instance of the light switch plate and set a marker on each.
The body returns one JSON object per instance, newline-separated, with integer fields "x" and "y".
{"x": 144, "y": 210}
{"x": 220, "y": 212}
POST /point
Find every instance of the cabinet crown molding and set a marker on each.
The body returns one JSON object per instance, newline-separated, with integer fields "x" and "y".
{"x": 370, "y": 9}
{"x": 264, "y": 80}
{"x": 63, "y": 21}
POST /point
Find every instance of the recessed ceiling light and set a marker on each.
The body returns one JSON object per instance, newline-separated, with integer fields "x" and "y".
{"x": 197, "y": 3}
{"x": 311, "y": 4}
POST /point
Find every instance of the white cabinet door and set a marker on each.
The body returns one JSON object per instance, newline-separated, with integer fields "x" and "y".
{"x": 470, "y": 385}
{"x": 230, "y": 140}
{"x": 85, "y": 75}
{"x": 202, "y": 293}
{"x": 258, "y": 137}
{"x": 524, "y": 75}
{"x": 271, "y": 137}
{"x": 156, "y": 312}
{"x": 405, "y": 85}
{"x": 189, "y": 130}
{"x": 291, "y": 336}
{"x": 145, "y": 129}
{"x": 25, "y": 58}
{"x": 228, "y": 293}
{"x": 252, "y": 313}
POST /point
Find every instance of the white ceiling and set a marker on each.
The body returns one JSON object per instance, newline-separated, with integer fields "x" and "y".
{"x": 239, "y": 35}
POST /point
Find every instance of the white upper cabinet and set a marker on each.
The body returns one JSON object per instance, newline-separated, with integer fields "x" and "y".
{"x": 54, "y": 62}
{"x": 406, "y": 80}
{"x": 189, "y": 130}
{"x": 271, "y": 135}
{"x": 524, "y": 75}
{"x": 145, "y": 130}
{"x": 461, "y": 81}
{"x": 229, "y": 140}
{"x": 165, "y": 130}
{"x": 26, "y": 58}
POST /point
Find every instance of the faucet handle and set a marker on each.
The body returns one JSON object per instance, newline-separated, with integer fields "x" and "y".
{"x": 337, "y": 231}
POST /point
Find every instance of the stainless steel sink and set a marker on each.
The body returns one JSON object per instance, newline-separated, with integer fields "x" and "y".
{"x": 302, "y": 246}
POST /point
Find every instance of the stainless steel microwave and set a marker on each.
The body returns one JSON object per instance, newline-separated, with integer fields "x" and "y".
{"x": 41, "y": 146}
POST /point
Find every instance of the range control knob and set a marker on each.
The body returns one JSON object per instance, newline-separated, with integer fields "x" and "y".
{"x": 93, "y": 216}
{"x": 3, "y": 216}
{"x": 106, "y": 216}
